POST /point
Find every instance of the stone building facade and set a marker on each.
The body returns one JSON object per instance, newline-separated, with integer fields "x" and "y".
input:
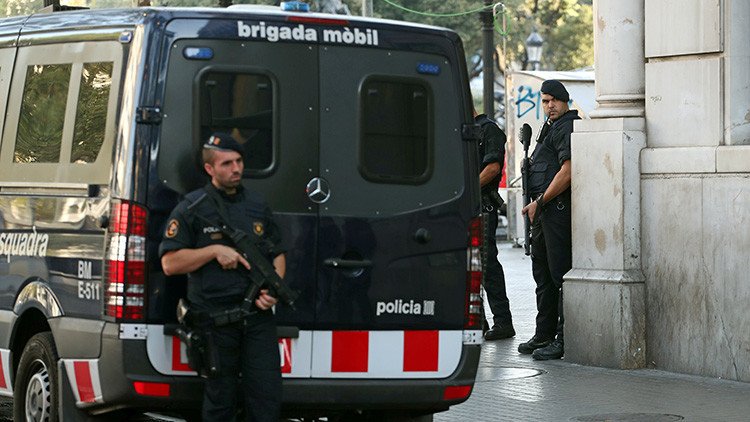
{"x": 661, "y": 191}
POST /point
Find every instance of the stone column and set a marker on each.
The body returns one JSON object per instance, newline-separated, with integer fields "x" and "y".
{"x": 605, "y": 314}
{"x": 619, "y": 58}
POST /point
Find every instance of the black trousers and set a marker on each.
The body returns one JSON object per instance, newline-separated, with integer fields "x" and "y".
{"x": 249, "y": 348}
{"x": 494, "y": 276}
{"x": 551, "y": 258}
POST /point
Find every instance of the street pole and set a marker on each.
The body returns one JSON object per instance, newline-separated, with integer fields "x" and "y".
{"x": 367, "y": 8}
{"x": 488, "y": 69}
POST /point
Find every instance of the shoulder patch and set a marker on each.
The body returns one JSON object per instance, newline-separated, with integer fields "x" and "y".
{"x": 172, "y": 228}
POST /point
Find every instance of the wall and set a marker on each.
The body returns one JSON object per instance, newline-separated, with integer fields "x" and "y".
{"x": 695, "y": 187}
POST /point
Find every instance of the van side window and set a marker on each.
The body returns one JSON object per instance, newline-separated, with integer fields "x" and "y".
{"x": 60, "y": 120}
{"x": 40, "y": 125}
{"x": 396, "y": 136}
{"x": 240, "y": 104}
{"x": 88, "y": 135}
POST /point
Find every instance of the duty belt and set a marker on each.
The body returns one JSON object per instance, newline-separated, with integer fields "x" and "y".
{"x": 224, "y": 316}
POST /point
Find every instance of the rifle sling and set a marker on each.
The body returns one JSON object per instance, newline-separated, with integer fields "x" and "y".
{"x": 220, "y": 208}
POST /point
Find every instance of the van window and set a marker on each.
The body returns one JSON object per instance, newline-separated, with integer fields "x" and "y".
{"x": 40, "y": 124}
{"x": 60, "y": 120}
{"x": 240, "y": 104}
{"x": 396, "y": 141}
{"x": 88, "y": 135}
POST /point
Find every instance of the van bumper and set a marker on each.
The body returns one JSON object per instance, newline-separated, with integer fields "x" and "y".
{"x": 124, "y": 362}
{"x": 381, "y": 394}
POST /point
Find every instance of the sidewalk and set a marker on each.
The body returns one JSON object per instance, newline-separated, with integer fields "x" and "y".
{"x": 513, "y": 387}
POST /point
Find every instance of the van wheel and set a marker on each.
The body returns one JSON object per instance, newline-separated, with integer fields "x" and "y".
{"x": 35, "y": 393}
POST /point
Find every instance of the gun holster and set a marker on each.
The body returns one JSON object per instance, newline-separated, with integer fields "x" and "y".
{"x": 201, "y": 352}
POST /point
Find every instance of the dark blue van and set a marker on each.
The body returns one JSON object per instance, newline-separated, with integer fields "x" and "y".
{"x": 359, "y": 133}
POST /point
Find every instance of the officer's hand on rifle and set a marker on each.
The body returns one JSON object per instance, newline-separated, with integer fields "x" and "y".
{"x": 265, "y": 301}
{"x": 531, "y": 210}
{"x": 229, "y": 257}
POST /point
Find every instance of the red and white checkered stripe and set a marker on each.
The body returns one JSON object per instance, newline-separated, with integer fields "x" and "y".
{"x": 295, "y": 355}
{"x": 168, "y": 356}
{"x": 341, "y": 354}
{"x": 84, "y": 380}
{"x": 386, "y": 354}
{"x": 6, "y": 388}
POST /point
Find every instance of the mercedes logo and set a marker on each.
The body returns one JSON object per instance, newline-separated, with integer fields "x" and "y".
{"x": 318, "y": 190}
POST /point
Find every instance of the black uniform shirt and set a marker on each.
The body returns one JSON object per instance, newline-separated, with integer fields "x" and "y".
{"x": 491, "y": 147}
{"x": 212, "y": 287}
{"x": 552, "y": 150}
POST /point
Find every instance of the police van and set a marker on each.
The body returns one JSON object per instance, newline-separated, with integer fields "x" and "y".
{"x": 358, "y": 132}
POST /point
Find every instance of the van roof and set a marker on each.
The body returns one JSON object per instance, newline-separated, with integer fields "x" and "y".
{"x": 274, "y": 10}
{"x": 99, "y": 18}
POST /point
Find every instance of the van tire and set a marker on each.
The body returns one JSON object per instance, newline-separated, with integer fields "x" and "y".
{"x": 35, "y": 392}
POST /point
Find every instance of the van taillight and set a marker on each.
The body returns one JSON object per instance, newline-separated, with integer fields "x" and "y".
{"x": 456, "y": 392}
{"x": 125, "y": 263}
{"x": 473, "y": 311}
{"x": 157, "y": 389}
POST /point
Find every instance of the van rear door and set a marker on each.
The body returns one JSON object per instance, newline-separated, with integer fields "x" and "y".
{"x": 266, "y": 95}
{"x": 391, "y": 242}
{"x": 364, "y": 170}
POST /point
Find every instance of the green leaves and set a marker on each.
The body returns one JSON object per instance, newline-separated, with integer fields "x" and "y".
{"x": 565, "y": 25}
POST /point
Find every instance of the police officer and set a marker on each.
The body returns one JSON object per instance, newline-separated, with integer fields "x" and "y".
{"x": 492, "y": 152}
{"x": 549, "y": 212}
{"x": 215, "y": 282}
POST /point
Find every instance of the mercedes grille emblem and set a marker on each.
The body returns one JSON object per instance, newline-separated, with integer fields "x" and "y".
{"x": 318, "y": 190}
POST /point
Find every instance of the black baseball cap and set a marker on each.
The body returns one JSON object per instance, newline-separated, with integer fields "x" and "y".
{"x": 223, "y": 141}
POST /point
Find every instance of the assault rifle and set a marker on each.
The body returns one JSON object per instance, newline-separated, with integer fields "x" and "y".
{"x": 201, "y": 351}
{"x": 525, "y": 138}
{"x": 261, "y": 273}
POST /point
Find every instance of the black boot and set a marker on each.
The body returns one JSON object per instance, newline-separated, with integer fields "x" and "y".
{"x": 555, "y": 350}
{"x": 534, "y": 343}
{"x": 499, "y": 332}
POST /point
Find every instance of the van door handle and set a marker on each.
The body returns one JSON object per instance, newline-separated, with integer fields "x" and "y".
{"x": 347, "y": 263}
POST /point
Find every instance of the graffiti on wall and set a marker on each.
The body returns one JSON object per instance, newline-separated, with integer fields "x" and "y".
{"x": 528, "y": 100}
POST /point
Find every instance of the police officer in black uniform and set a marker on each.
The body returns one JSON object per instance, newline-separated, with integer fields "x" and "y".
{"x": 492, "y": 153}
{"x": 549, "y": 212}
{"x": 195, "y": 247}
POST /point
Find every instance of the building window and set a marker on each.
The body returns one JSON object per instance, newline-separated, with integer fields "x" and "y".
{"x": 396, "y": 139}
